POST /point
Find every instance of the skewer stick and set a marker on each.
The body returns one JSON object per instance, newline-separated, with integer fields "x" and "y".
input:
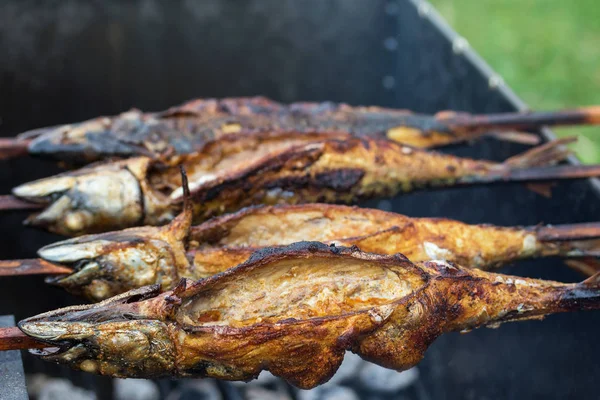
{"x": 534, "y": 174}
{"x": 11, "y": 148}
{"x": 552, "y": 173}
{"x": 35, "y": 266}
{"x": 527, "y": 120}
{"x": 13, "y": 339}
{"x": 10, "y": 202}
{"x": 589, "y": 230}
{"x": 517, "y": 137}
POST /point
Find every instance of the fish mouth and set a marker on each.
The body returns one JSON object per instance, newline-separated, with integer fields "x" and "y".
{"x": 93, "y": 199}
{"x": 65, "y": 340}
{"x": 54, "y": 351}
{"x": 85, "y": 256}
{"x": 75, "y": 334}
{"x": 72, "y": 250}
{"x": 82, "y": 273}
{"x": 80, "y": 256}
{"x": 62, "y": 351}
{"x": 37, "y": 192}
{"x": 50, "y": 351}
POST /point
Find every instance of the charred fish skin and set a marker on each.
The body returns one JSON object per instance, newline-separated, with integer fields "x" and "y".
{"x": 188, "y": 127}
{"x": 89, "y": 141}
{"x": 305, "y": 305}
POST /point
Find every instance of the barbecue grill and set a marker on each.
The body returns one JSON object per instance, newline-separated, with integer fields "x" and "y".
{"x": 69, "y": 61}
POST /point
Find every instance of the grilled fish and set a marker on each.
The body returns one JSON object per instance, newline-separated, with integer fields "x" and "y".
{"x": 108, "y": 264}
{"x": 187, "y": 128}
{"x": 143, "y": 191}
{"x": 294, "y": 312}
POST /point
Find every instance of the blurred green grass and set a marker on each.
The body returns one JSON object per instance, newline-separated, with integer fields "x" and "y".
{"x": 547, "y": 51}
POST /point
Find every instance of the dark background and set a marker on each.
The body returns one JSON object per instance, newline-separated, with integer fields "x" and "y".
{"x": 72, "y": 60}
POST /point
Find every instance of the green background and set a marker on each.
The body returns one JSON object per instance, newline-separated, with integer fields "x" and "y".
{"x": 547, "y": 51}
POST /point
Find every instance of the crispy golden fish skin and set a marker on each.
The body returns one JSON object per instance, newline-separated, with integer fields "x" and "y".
{"x": 274, "y": 170}
{"x": 108, "y": 264}
{"x": 221, "y": 242}
{"x": 295, "y": 311}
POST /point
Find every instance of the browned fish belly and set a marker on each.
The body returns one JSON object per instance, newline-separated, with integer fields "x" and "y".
{"x": 295, "y": 311}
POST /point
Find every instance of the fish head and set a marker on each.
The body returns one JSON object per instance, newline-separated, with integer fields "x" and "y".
{"x": 88, "y": 141}
{"x": 94, "y": 199}
{"x": 111, "y": 263}
{"x": 115, "y": 337}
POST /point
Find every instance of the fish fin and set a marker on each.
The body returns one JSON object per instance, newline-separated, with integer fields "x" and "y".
{"x": 530, "y": 139}
{"x": 543, "y": 189}
{"x": 181, "y": 224}
{"x": 181, "y": 287}
{"x": 592, "y": 282}
{"x": 588, "y": 266}
{"x": 547, "y": 154}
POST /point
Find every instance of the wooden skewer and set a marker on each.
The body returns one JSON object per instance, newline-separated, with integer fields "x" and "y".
{"x": 517, "y": 137}
{"x": 13, "y": 339}
{"x": 522, "y": 121}
{"x": 9, "y": 202}
{"x": 536, "y": 174}
{"x": 34, "y": 266}
{"x": 10, "y": 148}
{"x": 581, "y": 231}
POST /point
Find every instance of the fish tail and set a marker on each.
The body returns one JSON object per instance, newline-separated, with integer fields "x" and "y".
{"x": 547, "y": 154}
{"x": 579, "y": 242}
